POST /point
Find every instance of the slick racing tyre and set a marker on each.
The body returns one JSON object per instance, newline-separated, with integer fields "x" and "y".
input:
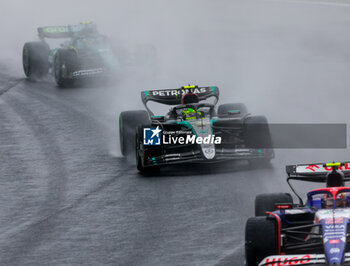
{"x": 128, "y": 122}
{"x": 232, "y": 110}
{"x": 266, "y": 202}
{"x": 260, "y": 239}
{"x": 65, "y": 63}
{"x": 257, "y": 133}
{"x": 257, "y": 136}
{"x": 141, "y": 153}
{"x": 35, "y": 59}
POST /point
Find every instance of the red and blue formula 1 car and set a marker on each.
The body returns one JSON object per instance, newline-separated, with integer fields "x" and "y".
{"x": 314, "y": 233}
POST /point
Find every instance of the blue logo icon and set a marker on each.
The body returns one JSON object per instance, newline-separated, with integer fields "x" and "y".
{"x": 151, "y": 136}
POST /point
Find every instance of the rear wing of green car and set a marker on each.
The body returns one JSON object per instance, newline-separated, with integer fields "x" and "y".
{"x": 68, "y": 31}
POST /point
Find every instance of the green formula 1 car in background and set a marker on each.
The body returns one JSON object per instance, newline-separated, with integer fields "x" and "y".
{"x": 85, "y": 54}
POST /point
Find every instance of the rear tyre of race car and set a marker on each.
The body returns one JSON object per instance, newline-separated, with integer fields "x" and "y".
{"x": 35, "y": 59}
{"x": 257, "y": 136}
{"x": 266, "y": 202}
{"x": 261, "y": 239}
{"x": 128, "y": 122}
{"x": 232, "y": 110}
{"x": 65, "y": 63}
{"x": 141, "y": 153}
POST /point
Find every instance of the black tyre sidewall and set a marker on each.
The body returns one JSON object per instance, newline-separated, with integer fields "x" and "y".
{"x": 261, "y": 239}
{"x": 257, "y": 133}
{"x": 35, "y": 59}
{"x": 128, "y": 122}
{"x": 69, "y": 58}
{"x": 139, "y": 157}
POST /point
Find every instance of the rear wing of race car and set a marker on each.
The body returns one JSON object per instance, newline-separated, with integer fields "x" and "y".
{"x": 68, "y": 31}
{"x": 173, "y": 96}
{"x": 316, "y": 172}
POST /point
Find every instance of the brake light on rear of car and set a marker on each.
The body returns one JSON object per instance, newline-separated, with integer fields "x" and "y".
{"x": 283, "y": 206}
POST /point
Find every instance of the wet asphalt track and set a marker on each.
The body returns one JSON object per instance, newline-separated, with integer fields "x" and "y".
{"x": 68, "y": 198}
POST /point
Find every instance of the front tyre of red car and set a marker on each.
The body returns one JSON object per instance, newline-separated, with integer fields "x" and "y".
{"x": 260, "y": 239}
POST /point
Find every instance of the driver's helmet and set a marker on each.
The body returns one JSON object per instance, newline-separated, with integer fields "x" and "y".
{"x": 327, "y": 201}
{"x": 340, "y": 200}
{"x": 189, "y": 113}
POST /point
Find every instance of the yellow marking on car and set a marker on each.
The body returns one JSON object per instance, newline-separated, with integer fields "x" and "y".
{"x": 190, "y": 87}
{"x": 333, "y": 164}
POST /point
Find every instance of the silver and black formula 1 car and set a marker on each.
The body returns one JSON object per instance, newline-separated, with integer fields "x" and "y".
{"x": 85, "y": 54}
{"x": 193, "y": 130}
{"x": 311, "y": 233}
